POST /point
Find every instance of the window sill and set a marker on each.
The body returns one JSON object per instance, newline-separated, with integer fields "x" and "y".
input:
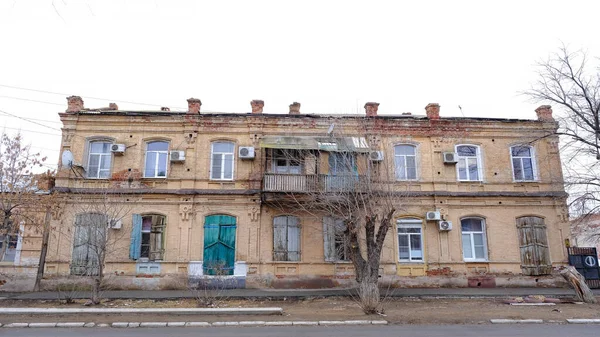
{"x": 286, "y": 262}
{"x": 154, "y": 178}
{"x": 477, "y": 261}
{"x": 412, "y": 262}
{"x": 470, "y": 181}
{"x": 526, "y": 181}
{"x": 340, "y": 262}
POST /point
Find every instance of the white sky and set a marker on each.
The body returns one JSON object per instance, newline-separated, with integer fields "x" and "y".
{"x": 332, "y": 56}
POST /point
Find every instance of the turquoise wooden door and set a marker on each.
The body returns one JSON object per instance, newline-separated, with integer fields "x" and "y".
{"x": 219, "y": 245}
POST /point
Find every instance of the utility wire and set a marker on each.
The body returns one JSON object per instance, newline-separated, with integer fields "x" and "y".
{"x": 30, "y": 121}
{"x": 90, "y": 97}
{"x": 41, "y": 133}
{"x": 30, "y": 100}
{"x": 36, "y": 119}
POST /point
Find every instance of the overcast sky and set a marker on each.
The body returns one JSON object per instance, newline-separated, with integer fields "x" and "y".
{"x": 332, "y": 56}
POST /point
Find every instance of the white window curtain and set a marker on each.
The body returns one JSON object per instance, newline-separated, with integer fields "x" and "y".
{"x": 410, "y": 240}
{"x": 405, "y": 158}
{"x": 523, "y": 163}
{"x": 473, "y": 239}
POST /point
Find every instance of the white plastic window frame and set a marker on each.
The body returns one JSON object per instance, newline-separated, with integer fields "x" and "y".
{"x": 223, "y": 161}
{"x": 479, "y": 163}
{"x": 410, "y": 223}
{"x": 533, "y": 163}
{"x": 416, "y": 155}
{"x": 101, "y": 154}
{"x": 157, "y": 160}
{"x": 483, "y": 232}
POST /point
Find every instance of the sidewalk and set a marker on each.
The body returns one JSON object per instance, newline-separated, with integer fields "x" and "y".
{"x": 307, "y": 293}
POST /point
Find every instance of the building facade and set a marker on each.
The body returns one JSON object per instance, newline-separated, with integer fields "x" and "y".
{"x": 480, "y": 200}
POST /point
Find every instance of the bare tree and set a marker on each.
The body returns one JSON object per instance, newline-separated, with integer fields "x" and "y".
{"x": 570, "y": 83}
{"x": 93, "y": 236}
{"x": 20, "y": 202}
{"x": 356, "y": 200}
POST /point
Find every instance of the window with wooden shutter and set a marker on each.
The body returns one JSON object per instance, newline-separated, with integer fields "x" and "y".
{"x": 335, "y": 241}
{"x": 286, "y": 238}
{"x": 89, "y": 243}
{"x": 533, "y": 243}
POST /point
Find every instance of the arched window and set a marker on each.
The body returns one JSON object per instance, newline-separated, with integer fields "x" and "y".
{"x": 405, "y": 159}
{"x": 469, "y": 163}
{"x": 473, "y": 239}
{"x": 410, "y": 240}
{"x": 523, "y": 163}
{"x": 286, "y": 238}
{"x": 222, "y": 159}
{"x": 157, "y": 155}
{"x": 99, "y": 158}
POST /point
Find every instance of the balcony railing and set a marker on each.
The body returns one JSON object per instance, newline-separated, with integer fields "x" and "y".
{"x": 306, "y": 183}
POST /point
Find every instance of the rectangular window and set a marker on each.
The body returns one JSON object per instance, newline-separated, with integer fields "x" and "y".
{"x": 286, "y": 238}
{"x": 473, "y": 239}
{"x": 157, "y": 155}
{"x": 335, "y": 240}
{"x": 406, "y": 162}
{"x": 287, "y": 162}
{"x": 222, "y": 160}
{"x": 89, "y": 243}
{"x": 410, "y": 240}
{"x": 99, "y": 158}
{"x": 8, "y": 247}
{"x": 153, "y": 229}
{"x": 523, "y": 163}
{"x": 469, "y": 163}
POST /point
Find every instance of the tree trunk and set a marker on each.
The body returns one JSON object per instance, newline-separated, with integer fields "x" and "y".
{"x": 577, "y": 282}
{"x": 368, "y": 293}
{"x": 96, "y": 289}
{"x": 43, "y": 252}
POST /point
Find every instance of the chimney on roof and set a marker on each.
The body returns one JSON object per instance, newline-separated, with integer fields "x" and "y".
{"x": 113, "y": 106}
{"x": 74, "y": 104}
{"x": 257, "y": 106}
{"x": 544, "y": 113}
{"x": 295, "y": 108}
{"x": 194, "y": 106}
{"x": 433, "y": 111}
{"x": 371, "y": 109}
{"x": 164, "y": 108}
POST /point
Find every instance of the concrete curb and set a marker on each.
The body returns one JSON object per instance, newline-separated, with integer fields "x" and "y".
{"x": 190, "y": 324}
{"x": 516, "y": 321}
{"x": 202, "y": 311}
{"x": 584, "y": 321}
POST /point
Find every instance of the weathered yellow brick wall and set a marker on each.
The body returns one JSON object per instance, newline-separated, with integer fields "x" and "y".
{"x": 254, "y": 235}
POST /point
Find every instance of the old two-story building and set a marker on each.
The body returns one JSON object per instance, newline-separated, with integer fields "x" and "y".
{"x": 483, "y": 202}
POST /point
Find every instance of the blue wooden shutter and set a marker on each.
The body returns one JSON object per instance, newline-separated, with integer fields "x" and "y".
{"x": 135, "y": 247}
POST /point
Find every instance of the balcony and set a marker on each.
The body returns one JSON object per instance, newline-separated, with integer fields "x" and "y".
{"x": 309, "y": 183}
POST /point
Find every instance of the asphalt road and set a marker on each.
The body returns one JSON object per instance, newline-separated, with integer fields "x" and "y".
{"x": 352, "y": 331}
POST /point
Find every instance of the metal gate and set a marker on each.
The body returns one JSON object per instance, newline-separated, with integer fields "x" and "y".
{"x": 585, "y": 260}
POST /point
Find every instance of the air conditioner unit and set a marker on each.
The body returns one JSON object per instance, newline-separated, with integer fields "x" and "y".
{"x": 445, "y": 225}
{"x": 177, "y": 156}
{"x": 246, "y": 152}
{"x": 433, "y": 216}
{"x": 450, "y": 157}
{"x": 115, "y": 224}
{"x": 117, "y": 148}
{"x": 376, "y": 156}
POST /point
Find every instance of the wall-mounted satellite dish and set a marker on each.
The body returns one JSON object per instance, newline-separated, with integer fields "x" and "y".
{"x": 67, "y": 158}
{"x": 330, "y": 130}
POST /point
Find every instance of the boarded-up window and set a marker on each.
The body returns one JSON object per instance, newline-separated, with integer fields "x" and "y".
{"x": 335, "y": 241}
{"x": 89, "y": 243}
{"x": 535, "y": 255}
{"x": 286, "y": 238}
